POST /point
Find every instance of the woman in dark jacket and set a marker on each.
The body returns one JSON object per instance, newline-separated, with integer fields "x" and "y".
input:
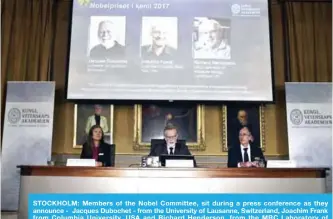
{"x": 96, "y": 148}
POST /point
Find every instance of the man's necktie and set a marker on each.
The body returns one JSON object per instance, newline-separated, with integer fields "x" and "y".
{"x": 246, "y": 155}
{"x": 171, "y": 151}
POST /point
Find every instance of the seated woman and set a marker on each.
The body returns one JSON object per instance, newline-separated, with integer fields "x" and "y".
{"x": 96, "y": 148}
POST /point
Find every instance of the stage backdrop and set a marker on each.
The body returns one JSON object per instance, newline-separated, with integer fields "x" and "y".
{"x": 27, "y": 134}
{"x": 309, "y": 115}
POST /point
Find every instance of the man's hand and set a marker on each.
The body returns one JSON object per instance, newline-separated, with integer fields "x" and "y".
{"x": 255, "y": 164}
{"x": 246, "y": 164}
{"x": 98, "y": 164}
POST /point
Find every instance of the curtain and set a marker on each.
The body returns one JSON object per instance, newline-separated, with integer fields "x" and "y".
{"x": 310, "y": 37}
{"x": 26, "y": 41}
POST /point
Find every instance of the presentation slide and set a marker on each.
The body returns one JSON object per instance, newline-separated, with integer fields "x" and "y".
{"x": 208, "y": 50}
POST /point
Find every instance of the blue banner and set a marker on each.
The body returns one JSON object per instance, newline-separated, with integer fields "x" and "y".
{"x": 180, "y": 206}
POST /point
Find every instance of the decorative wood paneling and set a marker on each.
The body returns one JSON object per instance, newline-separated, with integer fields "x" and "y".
{"x": 174, "y": 173}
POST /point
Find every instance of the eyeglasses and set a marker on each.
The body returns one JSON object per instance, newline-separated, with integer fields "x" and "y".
{"x": 171, "y": 137}
{"x": 241, "y": 135}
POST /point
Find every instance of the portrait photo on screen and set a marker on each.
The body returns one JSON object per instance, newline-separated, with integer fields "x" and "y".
{"x": 107, "y": 37}
{"x": 184, "y": 50}
{"x": 159, "y": 37}
{"x": 211, "y": 38}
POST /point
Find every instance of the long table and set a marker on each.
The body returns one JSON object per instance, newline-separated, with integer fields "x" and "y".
{"x": 53, "y": 179}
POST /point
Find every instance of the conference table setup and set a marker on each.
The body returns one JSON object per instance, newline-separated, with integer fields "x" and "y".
{"x": 104, "y": 180}
{"x": 206, "y": 99}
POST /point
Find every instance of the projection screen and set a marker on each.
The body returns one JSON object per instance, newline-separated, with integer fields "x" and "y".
{"x": 209, "y": 50}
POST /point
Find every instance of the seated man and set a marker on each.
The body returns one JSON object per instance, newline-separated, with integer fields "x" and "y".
{"x": 244, "y": 154}
{"x": 170, "y": 145}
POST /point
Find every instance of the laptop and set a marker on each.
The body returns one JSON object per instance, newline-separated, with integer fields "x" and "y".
{"x": 177, "y": 160}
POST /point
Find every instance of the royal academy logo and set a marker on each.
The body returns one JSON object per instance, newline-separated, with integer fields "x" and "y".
{"x": 83, "y": 2}
{"x": 235, "y": 8}
{"x": 14, "y": 115}
{"x": 296, "y": 116}
{"x": 246, "y": 10}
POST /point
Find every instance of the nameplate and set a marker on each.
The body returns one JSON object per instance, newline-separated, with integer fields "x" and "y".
{"x": 81, "y": 163}
{"x": 281, "y": 164}
{"x": 179, "y": 163}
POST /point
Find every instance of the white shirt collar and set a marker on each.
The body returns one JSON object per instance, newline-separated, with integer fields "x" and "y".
{"x": 171, "y": 146}
{"x": 242, "y": 147}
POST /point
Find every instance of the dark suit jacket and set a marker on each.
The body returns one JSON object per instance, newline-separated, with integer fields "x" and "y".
{"x": 106, "y": 154}
{"x": 235, "y": 155}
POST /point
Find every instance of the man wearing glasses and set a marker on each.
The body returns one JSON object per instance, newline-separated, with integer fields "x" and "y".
{"x": 159, "y": 48}
{"x": 170, "y": 145}
{"x": 245, "y": 155}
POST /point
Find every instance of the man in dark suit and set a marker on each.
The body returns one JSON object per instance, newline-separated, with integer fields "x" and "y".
{"x": 170, "y": 145}
{"x": 244, "y": 155}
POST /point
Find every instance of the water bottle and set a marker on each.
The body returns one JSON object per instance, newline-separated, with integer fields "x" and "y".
{"x": 144, "y": 161}
{"x": 257, "y": 161}
{"x": 260, "y": 162}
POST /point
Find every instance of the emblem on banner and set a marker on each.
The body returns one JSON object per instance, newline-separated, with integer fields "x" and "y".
{"x": 14, "y": 115}
{"x": 296, "y": 116}
{"x": 235, "y": 8}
